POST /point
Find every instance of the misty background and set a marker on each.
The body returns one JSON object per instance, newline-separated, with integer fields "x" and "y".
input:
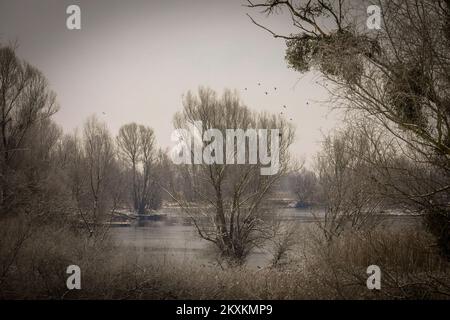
{"x": 133, "y": 61}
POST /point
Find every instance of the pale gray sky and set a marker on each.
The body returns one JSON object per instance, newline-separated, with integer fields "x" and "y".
{"x": 134, "y": 59}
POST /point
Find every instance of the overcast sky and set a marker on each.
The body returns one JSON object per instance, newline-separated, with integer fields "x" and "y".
{"x": 133, "y": 61}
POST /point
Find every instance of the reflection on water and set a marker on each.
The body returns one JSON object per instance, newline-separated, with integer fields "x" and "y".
{"x": 173, "y": 237}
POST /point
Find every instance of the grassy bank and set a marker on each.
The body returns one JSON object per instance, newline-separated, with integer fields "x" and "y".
{"x": 34, "y": 261}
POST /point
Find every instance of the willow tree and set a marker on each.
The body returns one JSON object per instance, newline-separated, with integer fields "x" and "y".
{"x": 136, "y": 145}
{"x": 231, "y": 186}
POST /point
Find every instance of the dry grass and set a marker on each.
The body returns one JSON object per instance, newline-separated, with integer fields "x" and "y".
{"x": 410, "y": 269}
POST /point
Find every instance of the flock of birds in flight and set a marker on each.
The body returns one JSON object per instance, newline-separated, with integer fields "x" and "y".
{"x": 267, "y": 93}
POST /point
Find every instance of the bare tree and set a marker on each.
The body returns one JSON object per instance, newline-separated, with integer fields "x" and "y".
{"x": 25, "y": 99}
{"x": 230, "y": 198}
{"x": 137, "y": 147}
{"x": 351, "y": 198}
{"x": 397, "y": 75}
{"x": 305, "y": 186}
{"x": 91, "y": 161}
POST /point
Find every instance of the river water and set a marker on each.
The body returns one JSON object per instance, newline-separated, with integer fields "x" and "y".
{"x": 174, "y": 238}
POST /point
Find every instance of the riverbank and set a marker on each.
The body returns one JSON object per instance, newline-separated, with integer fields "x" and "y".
{"x": 34, "y": 260}
{"x": 312, "y": 270}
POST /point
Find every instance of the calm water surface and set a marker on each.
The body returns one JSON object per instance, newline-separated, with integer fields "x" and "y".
{"x": 173, "y": 237}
